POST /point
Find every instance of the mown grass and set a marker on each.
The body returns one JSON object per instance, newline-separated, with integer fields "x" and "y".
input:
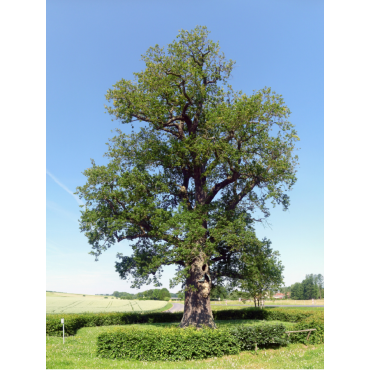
{"x": 79, "y": 352}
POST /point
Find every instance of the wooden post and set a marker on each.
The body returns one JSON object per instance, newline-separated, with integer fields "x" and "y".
{"x": 308, "y": 335}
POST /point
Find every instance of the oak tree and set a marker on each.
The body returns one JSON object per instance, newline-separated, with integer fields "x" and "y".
{"x": 203, "y": 163}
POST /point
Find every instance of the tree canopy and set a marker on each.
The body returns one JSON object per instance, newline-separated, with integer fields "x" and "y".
{"x": 263, "y": 275}
{"x": 203, "y": 164}
{"x": 311, "y": 287}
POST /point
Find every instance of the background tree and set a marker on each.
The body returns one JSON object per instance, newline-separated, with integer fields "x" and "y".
{"x": 164, "y": 293}
{"x": 218, "y": 291}
{"x": 309, "y": 288}
{"x": 297, "y": 291}
{"x": 320, "y": 284}
{"x": 181, "y": 295}
{"x": 183, "y": 187}
{"x": 263, "y": 276}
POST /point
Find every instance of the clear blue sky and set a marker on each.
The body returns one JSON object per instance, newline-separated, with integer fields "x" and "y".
{"x": 93, "y": 44}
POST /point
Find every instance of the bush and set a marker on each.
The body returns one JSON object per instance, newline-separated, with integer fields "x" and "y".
{"x": 166, "y": 299}
{"x": 270, "y": 314}
{"x": 73, "y": 322}
{"x": 151, "y": 344}
{"x": 166, "y": 344}
{"x": 313, "y": 322}
{"x": 249, "y": 336}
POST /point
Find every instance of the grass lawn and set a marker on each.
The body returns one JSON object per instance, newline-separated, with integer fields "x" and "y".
{"x": 78, "y": 352}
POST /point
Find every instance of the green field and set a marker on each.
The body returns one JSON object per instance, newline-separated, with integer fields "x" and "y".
{"x": 78, "y": 352}
{"x": 78, "y": 303}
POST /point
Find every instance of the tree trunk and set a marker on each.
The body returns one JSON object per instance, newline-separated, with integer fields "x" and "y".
{"x": 197, "y": 310}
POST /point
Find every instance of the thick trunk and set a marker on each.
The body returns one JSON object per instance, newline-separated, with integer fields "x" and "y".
{"x": 197, "y": 311}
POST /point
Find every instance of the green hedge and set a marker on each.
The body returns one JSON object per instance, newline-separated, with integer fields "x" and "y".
{"x": 269, "y": 314}
{"x": 265, "y": 334}
{"x": 313, "y": 322}
{"x": 73, "y": 322}
{"x": 172, "y": 344}
{"x": 175, "y": 344}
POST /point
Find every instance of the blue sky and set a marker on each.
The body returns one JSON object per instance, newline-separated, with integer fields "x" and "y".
{"x": 93, "y": 44}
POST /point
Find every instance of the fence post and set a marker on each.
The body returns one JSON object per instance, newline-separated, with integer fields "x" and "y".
{"x": 63, "y": 329}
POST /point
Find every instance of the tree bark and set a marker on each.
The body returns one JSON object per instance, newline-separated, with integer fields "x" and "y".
{"x": 197, "y": 310}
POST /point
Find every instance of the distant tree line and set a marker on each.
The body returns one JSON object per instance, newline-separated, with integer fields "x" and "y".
{"x": 311, "y": 287}
{"x": 151, "y": 294}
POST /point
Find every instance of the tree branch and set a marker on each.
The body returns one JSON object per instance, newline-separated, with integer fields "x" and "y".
{"x": 216, "y": 188}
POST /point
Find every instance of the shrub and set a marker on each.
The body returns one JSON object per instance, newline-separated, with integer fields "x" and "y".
{"x": 313, "y": 322}
{"x": 248, "y": 336}
{"x": 269, "y": 314}
{"x": 166, "y": 343}
{"x": 73, "y": 322}
{"x": 150, "y": 344}
{"x": 166, "y": 299}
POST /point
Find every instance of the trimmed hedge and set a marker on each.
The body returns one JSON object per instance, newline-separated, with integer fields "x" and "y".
{"x": 175, "y": 344}
{"x": 247, "y": 336}
{"x": 73, "y": 322}
{"x": 269, "y": 314}
{"x": 316, "y": 337}
{"x": 172, "y": 344}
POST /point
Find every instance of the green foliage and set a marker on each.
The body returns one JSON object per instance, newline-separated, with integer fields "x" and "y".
{"x": 81, "y": 351}
{"x": 316, "y": 337}
{"x": 151, "y": 294}
{"x": 174, "y": 344}
{"x": 311, "y": 287}
{"x": 185, "y": 183}
{"x": 73, "y": 322}
{"x": 170, "y": 344}
{"x": 181, "y": 295}
{"x": 261, "y": 335}
{"x": 218, "y": 291}
{"x": 166, "y": 299}
{"x": 264, "y": 274}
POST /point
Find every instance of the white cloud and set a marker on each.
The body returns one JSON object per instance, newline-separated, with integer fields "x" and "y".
{"x": 64, "y": 187}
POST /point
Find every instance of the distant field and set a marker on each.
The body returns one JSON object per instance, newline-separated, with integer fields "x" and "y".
{"x": 77, "y": 303}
